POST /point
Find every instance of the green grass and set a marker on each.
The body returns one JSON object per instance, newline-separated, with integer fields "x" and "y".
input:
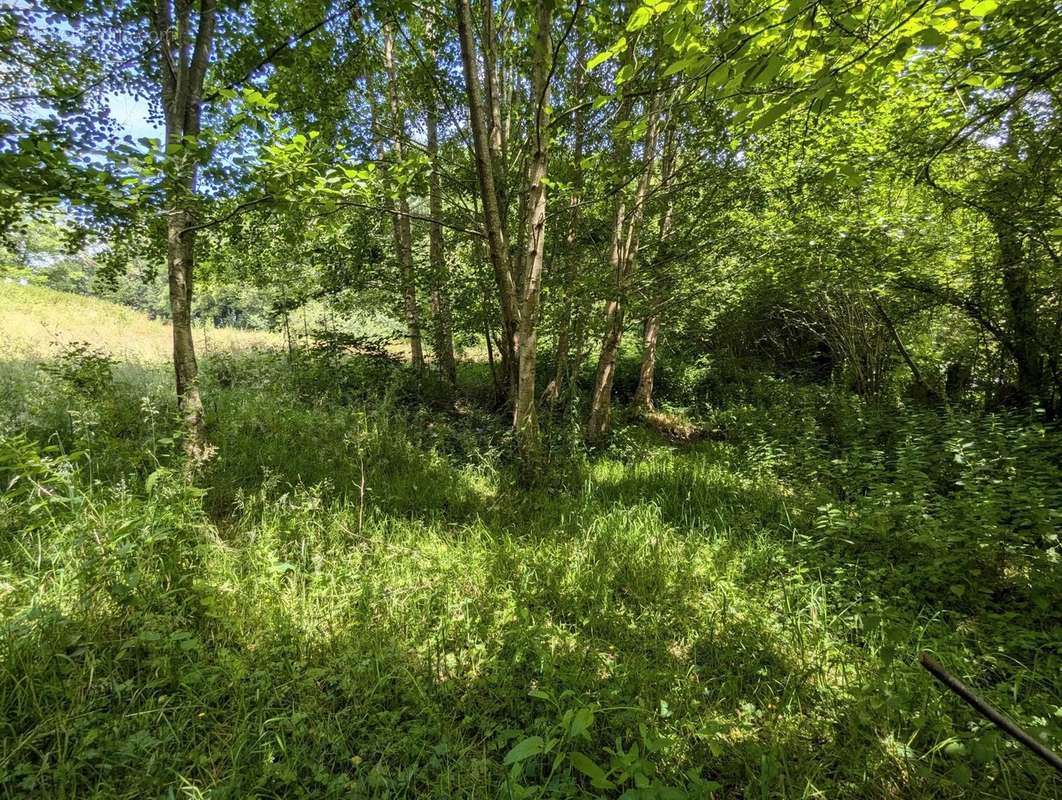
{"x": 36, "y": 320}
{"x": 361, "y": 603}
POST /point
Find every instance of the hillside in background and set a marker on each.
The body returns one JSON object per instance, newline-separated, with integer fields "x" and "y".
{"x": 36, "y": 320}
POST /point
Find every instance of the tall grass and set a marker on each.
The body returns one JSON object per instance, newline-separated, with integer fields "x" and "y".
{"x": 359, "y": 603}
{"x": 36, "y": 319}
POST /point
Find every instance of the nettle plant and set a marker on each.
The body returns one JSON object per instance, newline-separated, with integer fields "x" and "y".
{"x": 82, "y": 368}
{"x": 556, "y": 764}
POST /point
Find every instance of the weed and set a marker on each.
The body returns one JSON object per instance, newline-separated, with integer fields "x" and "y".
{"x": 361, "y": 603}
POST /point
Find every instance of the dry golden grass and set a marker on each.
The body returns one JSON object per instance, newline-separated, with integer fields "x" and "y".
{"x": 34, "y": 320}
{"x": 679, "y": 428}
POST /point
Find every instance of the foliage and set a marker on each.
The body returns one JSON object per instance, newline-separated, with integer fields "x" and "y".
{"x": 83, "y": 369}
{"x": 369, "y": 606}
{"x": 571, "y": 400}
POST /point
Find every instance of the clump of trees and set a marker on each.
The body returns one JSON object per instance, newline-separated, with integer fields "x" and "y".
{"x": 864, "y": 192}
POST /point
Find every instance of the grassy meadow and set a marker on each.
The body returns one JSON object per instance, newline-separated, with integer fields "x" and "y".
{"x": 358, "y": 601}
{"x": 36, "y": 320}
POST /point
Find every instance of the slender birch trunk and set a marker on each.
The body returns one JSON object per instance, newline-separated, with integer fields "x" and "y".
{"x": 184, "y": 59}
{"x": 623, "y": 256}
{"x": 561, "y": 357}
{"x": 403, "y": 232}
{"x": 496, "y": 102}
{"x": 443, "y": 339}
{"x": 524, "y": 420}
{"x": 495, "y": 229}
{"x": 643, "y": 395}
{"x": 519, "y": 307}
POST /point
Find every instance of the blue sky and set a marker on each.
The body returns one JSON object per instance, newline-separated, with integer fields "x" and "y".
{"x": 131, "y": 114}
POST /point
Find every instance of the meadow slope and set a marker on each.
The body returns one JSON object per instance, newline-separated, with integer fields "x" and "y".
{"x": 36, "y": 320}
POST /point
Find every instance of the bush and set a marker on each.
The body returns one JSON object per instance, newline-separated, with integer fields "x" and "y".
{"x": 83, "y": 369}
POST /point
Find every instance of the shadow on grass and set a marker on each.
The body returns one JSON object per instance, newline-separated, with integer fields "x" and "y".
{"x": 241, "y": 695}
{"x": 325, "y": 652}
{"x": 303, "y": 661}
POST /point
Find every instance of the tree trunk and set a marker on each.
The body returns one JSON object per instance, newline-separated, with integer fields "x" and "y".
{"x": 519, "y": 307}
{"x": 497, "y": 241}
{"x": 496, "y": 108}
{"x": 409, "y": 287}
{"x": 180, "y": 262}
{"x": 1021, "y": 312}
{"x": 643, "y": 397}
{"x": 183, "y": 66}
{"x": 488, "y": 333}
{"x": 440, "y": 287}
{"x": 577, "y": 348}
{"x": 927, "y": 392}
{"x": 561, "y": 374}
{"x": 1015, "y": 271}
{"x": 560, "y": 356}
{"x": 524, "y": 421}
{"x": 623, "y": 254}
{"x": 403, "y": 232}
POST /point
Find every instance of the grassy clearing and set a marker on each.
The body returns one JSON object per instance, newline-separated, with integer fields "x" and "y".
{"x": 360, "y": 603}
{"x": 36, "y": 320}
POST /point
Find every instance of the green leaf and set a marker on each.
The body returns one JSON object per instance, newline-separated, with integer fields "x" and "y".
{"x": 961, "y": 774}
{"x": 769, "y": 116}
{"x": 590, "y": 769}
{"x": 152, "y": 479}
{"x": 639, "y": 129}
{"x": 764, "y": 70}
{"x": 600, "y": 58}
{"x": 639, "y": 19}
{"x": 581, "y": 722}
{"x": 531, "y": 746}
{"x": 931, "y": 37}
{"x": 984, "y": 8}
{"x": 719, "y": 76}
{"x": 955, "y": 749}
{"x": 678, "y": 66}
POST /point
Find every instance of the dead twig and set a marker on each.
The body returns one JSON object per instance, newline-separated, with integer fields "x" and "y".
{"x": 989, "y": 712}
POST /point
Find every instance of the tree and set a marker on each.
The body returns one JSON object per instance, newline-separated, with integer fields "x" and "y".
{"x": 518, "y": 301}
{"x": 401, "y": 218}
{"x": 623, "y": 255}
{"x": 185, "y": 39}
{"x": 443, "y": 341}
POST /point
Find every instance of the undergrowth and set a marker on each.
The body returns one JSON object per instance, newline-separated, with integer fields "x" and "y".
{"x": 360, "y": 602}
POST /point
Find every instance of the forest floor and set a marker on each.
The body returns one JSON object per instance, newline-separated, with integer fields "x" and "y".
{"x": 362, "y": 603}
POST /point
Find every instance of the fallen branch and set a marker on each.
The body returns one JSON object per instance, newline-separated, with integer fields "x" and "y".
{"x": 1001, "y": 720}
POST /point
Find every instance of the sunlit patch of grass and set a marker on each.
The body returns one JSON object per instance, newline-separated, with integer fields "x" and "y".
{"x": 360, "y": 603}
{"x": 678, "y": 427}
{"x": 36, "y": 320}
